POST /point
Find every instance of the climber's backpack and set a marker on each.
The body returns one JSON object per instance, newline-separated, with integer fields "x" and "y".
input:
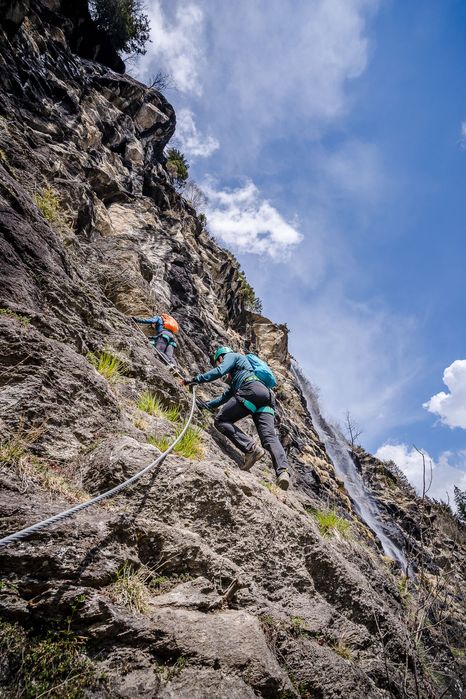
{"x": 169, "y": 323}
{"x": 262, "y": 370}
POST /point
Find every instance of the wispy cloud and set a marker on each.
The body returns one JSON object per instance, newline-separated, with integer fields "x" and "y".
{"x": 354, "y": 168}
{"x": 269, "y": 65}
{"x": 451, "y": 407}
{"x": 246, "y": 221}
{"x": 463, "y": 135}
{"x": 193, "y": 143}
{"x": 279, "y": 53}
{"x": 444, "y": 475}
{"x": 344, "y": 351}
{"x": 177, "y": 45}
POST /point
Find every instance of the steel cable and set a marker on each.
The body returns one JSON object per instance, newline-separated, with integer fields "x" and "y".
{"x": 103, "y": 496}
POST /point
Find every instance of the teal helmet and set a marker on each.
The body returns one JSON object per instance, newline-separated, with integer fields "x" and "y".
{"x": 221, "y": 350}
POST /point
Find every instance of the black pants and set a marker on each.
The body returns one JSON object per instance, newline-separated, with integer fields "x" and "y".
{"x": 234, "y": 410}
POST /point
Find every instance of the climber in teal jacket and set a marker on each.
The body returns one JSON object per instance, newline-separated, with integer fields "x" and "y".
{"x": 236, "y": 366}
{"x": 245, "y": 395}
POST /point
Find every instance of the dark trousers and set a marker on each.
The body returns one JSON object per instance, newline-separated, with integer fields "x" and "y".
{"x": 162, "y": 345}
{"x": 234, "y": 410}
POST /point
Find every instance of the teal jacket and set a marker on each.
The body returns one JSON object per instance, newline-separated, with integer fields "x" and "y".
{"x": 239, "y": 368}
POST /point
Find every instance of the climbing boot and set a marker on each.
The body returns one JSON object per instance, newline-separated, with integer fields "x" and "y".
{"x": 251, "y": 457}
{"x": 283, "y": 480}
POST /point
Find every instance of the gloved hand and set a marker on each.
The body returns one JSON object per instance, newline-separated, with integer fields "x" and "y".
{"x": 202, "y": 405}
{"x": 188, "y": 382}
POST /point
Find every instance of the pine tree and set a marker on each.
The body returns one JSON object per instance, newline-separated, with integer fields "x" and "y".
{"x": 124, "y": 21}
{"x": 177, "y": 165}
{"x": 460, "y": 500}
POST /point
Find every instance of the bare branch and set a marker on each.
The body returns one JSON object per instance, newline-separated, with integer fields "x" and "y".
{"x": 162, "y": 81}
{"x": 352, "y": 429}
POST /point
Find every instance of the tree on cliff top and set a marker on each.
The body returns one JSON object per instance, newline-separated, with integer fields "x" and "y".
{"x": 177, "y": 166}
{"x": 460, "y": 500}
{"x": 124, "y": 21}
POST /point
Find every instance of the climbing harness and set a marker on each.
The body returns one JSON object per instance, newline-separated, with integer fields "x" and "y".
{"x": 164, "y": 358}
{"x": 250, "y": 406}
{"x": 103, "y": 496}
{"x": 168, "y": 339}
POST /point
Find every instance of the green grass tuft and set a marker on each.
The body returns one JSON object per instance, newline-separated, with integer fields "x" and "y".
{"x": 190, "y": 445}
{"x": 269, "y": 620}
{"x": 149, "y": 403}
{"x": 111, "y": 367}
{"x": 17, "y": 316}
{"x": 161, "y": 443}
{"x": 271, "y": 487}
{"x": 298, "y": 623}
{"x": 48, "y": 204}
{"x": 52, "y": 666}
{"x": 329, "y": 522}
{"x": 403, "y": 584}
{"x": 11, "y": 451}
{"x": 168, "y": 672}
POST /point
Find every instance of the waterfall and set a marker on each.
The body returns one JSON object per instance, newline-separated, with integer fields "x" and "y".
{"x": 337, "y": 449}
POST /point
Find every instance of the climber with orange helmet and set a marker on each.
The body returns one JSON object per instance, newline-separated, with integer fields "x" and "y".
{"x": 163, "y": 339}
{"x": 247, "y": 394}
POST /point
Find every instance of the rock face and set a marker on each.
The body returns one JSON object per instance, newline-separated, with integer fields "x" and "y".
{"x": 200, "y": 580}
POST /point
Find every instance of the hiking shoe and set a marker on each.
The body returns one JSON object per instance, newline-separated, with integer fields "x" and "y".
{"x": 283, "y": 480}
{"x": 251, "y": 457}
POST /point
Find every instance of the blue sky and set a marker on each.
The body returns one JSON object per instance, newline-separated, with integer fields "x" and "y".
{"x": 330, "y": 137}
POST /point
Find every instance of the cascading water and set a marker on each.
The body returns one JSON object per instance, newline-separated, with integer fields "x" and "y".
{"x": 337, "y": 448}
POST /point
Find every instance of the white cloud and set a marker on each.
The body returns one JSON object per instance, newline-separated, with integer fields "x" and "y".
{"x": 444, "y": 475}
{"x": 247, "y": 222}
{"x": 463, "y": 134}
{"x": 354, "y": 168}
{"x": 192, "y": 142}
{"x": 360, "y": 357}
{"x": 177, "y": 45}
{"x": 307, "y": 53}
{"x": 451, "y": 407}
{"x": 262, "y": 72}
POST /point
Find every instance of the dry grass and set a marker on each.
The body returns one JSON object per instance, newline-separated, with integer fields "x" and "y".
{"x": 32, "y": 470}
{"x": 342, "y": 649}
{"x": 131, "y": 587}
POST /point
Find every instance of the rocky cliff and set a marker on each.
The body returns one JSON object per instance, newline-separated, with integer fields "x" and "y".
{"x": 201, "y": 580}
